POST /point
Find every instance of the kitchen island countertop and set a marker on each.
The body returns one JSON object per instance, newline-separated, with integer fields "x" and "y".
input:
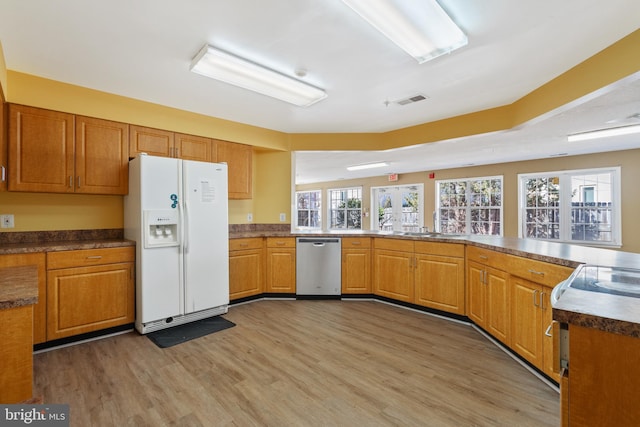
{"x": 18, "y": 286}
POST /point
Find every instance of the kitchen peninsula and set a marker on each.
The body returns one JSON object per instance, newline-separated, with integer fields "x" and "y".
{"x": 18, "y": 294}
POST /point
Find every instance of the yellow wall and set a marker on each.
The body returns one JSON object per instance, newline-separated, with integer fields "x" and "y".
{"x": 3, "y": 71}
{"x": 609, "y": 66}
{"x": 40, "y": 212}
{"x": 86, "y": 212}
{"x": 272, "y": 192}
{"x": 628, "y": 161}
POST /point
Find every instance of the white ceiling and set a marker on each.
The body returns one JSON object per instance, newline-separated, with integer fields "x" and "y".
{"x": 142, "y": 49}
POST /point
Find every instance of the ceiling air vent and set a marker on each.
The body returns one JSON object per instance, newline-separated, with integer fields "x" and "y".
{"x": 412, "y": 99}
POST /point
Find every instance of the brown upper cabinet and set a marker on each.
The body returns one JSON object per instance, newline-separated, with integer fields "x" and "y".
{"x": 163, "y": 143}
{"x": 154, "y": 142}
{"x": 56, "y": 152}
{"x": 191, "y": 147}
{"x": 238, "y": 158}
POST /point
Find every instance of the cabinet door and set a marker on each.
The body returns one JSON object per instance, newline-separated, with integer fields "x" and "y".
{"x": 154, "y": 142}
{"x": 239, "y": 162}
{"x": 40, "y": 150}
{"x": 498, "y": 305}
{"x": 476, "y": 294}
{"x": 102, "y": 156}
{"x": 527, "y": 320}
{"x": 356, "y": 271}
{"x": 440, "y": 283}
{"x": 190, "y": 147}
{"x": 245, "y": 273}
{"x": 281, "y": 270}
{"x": 87, "y": 299}
{"x": 16, "y": 355}
{"x": 393, "y": 274}
{"x": 39, "y": 309}
{"x": 546, "y": 332}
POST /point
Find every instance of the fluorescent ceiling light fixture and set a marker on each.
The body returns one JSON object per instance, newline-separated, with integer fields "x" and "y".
{"x": 367, "y": 166}
{"x": 228, "y": 68}
{"x": 604, "y": 133}
{"x": 420, "y": 27}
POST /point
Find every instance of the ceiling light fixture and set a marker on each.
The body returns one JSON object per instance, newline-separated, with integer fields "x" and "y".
{"x": 604, "y": 133}
{"x": 228, "y": 68}
{"x": 367, "y": 166}
{"x": 422, "y": 28}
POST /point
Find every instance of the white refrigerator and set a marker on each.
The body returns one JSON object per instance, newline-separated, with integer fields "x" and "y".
{"x": 177, "y": 213}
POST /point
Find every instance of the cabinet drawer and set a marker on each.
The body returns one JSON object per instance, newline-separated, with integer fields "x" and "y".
{"x": 245, "y": 243}
{"x": 444, "y": 249}
{"x": 356, "y": 242}
{"x": 87, "y": 257}
{"x": 393, "y": 244}
{"x": 281, "y": 242}
{"x": 538, "y": 271}
{"x": 488, "y": 257}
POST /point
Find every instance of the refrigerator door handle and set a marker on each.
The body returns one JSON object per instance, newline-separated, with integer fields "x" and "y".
{"x": 184, "y": 213}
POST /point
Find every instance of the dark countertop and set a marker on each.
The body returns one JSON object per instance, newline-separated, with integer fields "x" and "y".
{"x": 18, "y": 286}
{"x": 69, "y": 245}
{"x": 609, "y": 313}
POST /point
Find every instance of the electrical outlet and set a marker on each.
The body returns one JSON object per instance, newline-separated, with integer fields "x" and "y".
{"x": 6, "y": 221}
{"x": 283, "y": 217}
{"x": 249, "y": 217}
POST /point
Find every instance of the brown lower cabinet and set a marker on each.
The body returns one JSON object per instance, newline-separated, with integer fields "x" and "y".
{"x": 356, "y": 265}
{"x": 600, "y": 387}
{"x": 246, "y": 267}
{"x": 281, "y": 265}
{"x": 89, "y": 290}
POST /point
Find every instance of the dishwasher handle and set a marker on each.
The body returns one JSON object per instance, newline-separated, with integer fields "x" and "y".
{"x": 318, "y": 241}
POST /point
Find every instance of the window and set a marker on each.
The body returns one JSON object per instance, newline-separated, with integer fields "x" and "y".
{"x": 580, "y": 206}
{"x": 308, "y": 205}
{"x": 345, "y": 208}
{"x": 398, "y": 208}
{"x": 469, "y": 206}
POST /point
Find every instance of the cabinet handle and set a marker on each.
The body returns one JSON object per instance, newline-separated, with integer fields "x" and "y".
{"x": 78, "y": 182}
{"x": 95, "y": 257}
{"x": 4, "y": 173}
{"x": 542, "y": 299}
{"x": 539, "y": 273}
{"x": 534, "y": 298}
{"x": 70, "y": 181}
{"x": 355, "y": 243}
{"x": 548, "y": 331}
{"x": 483, "y": 257}
{"x": 244, "y": 244}
{"x": 175, "y": 152}
{"x": 486, "y": 282}
{"x": 279, "y": 243}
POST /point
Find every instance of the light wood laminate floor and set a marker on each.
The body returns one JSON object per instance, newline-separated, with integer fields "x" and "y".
{"x": 300, "y": 363}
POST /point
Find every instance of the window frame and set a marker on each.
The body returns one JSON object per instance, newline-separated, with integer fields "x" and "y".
{"x": 309, "y": 210}
{"x": 469, "y": 207}
{"x": 346, "y": 209}
{"x": 565, "y": 205}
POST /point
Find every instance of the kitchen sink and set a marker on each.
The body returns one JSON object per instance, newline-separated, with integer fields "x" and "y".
{"x": 419, "y": 234}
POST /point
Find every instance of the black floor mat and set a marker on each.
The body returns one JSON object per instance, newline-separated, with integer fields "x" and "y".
{"x": 182, "y": 333}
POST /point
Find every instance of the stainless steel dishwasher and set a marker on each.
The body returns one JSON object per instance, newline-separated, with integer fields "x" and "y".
{"x": 318, "y": 266}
